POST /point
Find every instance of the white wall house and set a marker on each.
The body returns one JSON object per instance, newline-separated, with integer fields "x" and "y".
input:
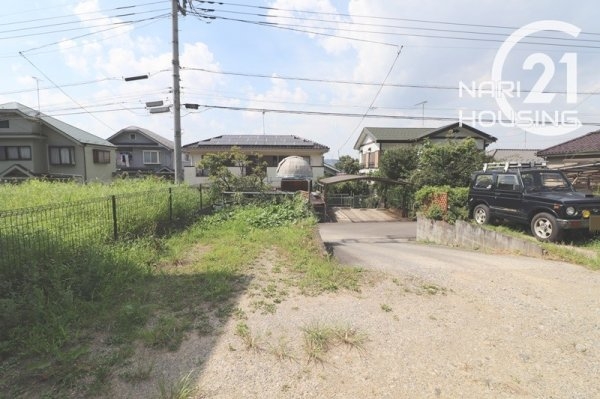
{"x": 373, "y": 141}
{"x": 272, "y": 149}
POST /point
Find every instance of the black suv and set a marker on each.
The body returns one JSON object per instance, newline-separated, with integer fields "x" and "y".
{"x": 533, "y": 195}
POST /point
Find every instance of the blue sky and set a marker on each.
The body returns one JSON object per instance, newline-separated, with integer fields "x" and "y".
{"x": 288, "y": 57}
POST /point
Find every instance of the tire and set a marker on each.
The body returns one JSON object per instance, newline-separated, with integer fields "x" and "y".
{"x": 481, "y": 214}
{"x": 545, "y": 228}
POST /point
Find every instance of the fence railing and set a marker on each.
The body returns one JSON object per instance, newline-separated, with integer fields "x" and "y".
{"x": 350, "y": 201}
{"x": 35, "y": 233}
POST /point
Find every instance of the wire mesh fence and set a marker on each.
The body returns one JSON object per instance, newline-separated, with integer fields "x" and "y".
{"x": 30, "y": 234}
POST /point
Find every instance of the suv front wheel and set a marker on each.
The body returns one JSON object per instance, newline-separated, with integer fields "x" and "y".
{"x": 544, "y": 227}
{"x": 481, "y": 214}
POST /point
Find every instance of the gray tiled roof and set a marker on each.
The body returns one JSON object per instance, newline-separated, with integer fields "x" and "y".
{"x": 148, "y": 133}
{"x": 75, "y": 133}
{"x": 586, "y": 144}
{"x": 392, "y": 133}
{"x": 517, "y": 155}
{"x": 248, "y": 140}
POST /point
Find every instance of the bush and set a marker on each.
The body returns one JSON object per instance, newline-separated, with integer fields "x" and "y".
{"x": 457, "y": 203}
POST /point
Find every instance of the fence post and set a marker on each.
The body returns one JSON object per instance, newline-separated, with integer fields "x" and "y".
{"x": 200, "y": 189}
{"x": 114, "y": 215}
{"x": 170, "y": 204}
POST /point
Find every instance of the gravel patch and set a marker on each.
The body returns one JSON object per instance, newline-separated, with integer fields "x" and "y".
{"x": 442, "y": 323}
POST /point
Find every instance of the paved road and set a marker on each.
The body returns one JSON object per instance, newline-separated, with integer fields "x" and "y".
{"x": 533, "y": 325}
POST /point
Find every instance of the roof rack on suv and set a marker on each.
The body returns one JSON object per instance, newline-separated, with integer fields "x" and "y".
{"x": 505, "y": 166}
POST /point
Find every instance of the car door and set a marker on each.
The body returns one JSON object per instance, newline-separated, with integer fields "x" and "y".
{"x": 508, "y": 196}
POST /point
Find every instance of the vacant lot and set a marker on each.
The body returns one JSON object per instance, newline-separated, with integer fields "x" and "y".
{"x": 428, "y": 322}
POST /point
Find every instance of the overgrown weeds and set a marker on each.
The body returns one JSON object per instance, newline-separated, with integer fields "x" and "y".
{"x": 65, "y": 321}
{"x": 319, "y": 339}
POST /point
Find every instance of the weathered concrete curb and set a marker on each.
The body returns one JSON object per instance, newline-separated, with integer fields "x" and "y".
{"x": 467, "y": 235}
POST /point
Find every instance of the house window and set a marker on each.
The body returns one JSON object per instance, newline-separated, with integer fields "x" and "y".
{"x": 132, "y": 136}
{"x": 62, "y": 156}
{"x": 151, "y": 157}
{"x": 15, "y": 153}
{"x": 4, "y": 124}
{"x": 101, "y": 156}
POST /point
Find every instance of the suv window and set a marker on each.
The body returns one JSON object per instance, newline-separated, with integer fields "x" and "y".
{"x": 508, "y": 182}
{"x": 553, "y": 180}
{"x": 483, "y": 182}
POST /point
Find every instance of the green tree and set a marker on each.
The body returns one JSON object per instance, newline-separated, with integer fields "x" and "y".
{"x": 448, "y": 164}
{"x": 251, "y": 175}
{"x": 348, "y": 165}
{"x": 399, "y": 163}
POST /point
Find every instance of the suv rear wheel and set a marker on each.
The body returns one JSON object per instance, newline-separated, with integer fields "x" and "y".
{"x": 544, "y": 227}
{"x": 481, "y": 214}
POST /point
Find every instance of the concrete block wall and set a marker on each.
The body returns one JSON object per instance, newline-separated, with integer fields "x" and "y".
{"x": 466, "y": 235}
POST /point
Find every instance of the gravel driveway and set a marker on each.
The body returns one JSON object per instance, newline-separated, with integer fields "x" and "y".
{"x": 437, "y": 322}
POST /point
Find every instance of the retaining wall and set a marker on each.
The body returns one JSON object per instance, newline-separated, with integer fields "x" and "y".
{"x": 466, "y": 235}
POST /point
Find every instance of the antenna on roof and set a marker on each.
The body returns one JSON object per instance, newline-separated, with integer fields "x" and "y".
{"x": 422, "y": 104}
{"x": 37, "y": 85}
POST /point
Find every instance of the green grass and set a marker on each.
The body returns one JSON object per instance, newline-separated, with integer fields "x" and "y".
{"x": 71, "y": 325}
{"x": 33, "y": 193}
{"x": 320, "y": 338}
{"x": 580, "y": 249}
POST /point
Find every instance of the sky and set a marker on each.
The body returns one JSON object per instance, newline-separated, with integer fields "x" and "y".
{"x": 319, "y": 69}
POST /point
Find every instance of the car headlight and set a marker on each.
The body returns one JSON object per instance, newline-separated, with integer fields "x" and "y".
{"x": 570, "y": 211}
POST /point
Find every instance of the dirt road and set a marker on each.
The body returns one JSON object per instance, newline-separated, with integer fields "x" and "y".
{"x": 428, "y": 322}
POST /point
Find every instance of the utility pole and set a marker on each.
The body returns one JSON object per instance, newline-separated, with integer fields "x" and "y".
{"x": 177, "y": 91}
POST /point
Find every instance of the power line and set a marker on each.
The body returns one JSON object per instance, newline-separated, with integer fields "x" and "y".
{"x": 360, "y": 83}
{"x": 80, "y": 21}
{"x": 374, "y": 98}
{"x": 152, "y": 19}
{"x": 375, "y": 17}
{"x": 208, "y": 14}
{"x": 417, "y": 28}
{"x": 112, "y": 25}
{"x": 62, "y": 91}
{"x": 29, "y": 21}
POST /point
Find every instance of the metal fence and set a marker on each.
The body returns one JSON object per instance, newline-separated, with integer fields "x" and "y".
{"x": 36, "y": 233}
{"x": 351, "y": 201}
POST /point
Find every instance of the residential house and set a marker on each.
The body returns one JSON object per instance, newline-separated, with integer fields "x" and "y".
{"x": 33, "y": 144}
{"x": 514, "y": 155}
{"x": 272, "y": 149}
{"x": 140, "y": 150}
{"x": 578, "y": 151}
{"x": 578, "y": 157}
{"x": 373, "y": 141}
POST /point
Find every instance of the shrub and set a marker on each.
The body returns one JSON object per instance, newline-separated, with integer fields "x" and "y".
{"x": 456, "y": 203}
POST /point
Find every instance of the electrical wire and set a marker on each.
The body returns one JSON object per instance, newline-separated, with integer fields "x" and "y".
{"x": 374, "y": 98}
{"x": 418, "y": 28}
{"x": 62, "y": 91}
{"x": 29, "y": 21}
{"x": 360, "y": 83}
{"x": 375, "y": 17}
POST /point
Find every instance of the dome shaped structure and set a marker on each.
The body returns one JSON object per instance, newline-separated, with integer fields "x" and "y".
{"x": 294, "y": 167}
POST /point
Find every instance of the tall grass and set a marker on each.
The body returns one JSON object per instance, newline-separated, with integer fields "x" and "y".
{"x": 69, "y": 323}
{"x": 31, "y": 193}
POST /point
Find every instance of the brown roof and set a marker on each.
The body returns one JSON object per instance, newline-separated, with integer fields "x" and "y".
{"x": 586, "y": 144}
